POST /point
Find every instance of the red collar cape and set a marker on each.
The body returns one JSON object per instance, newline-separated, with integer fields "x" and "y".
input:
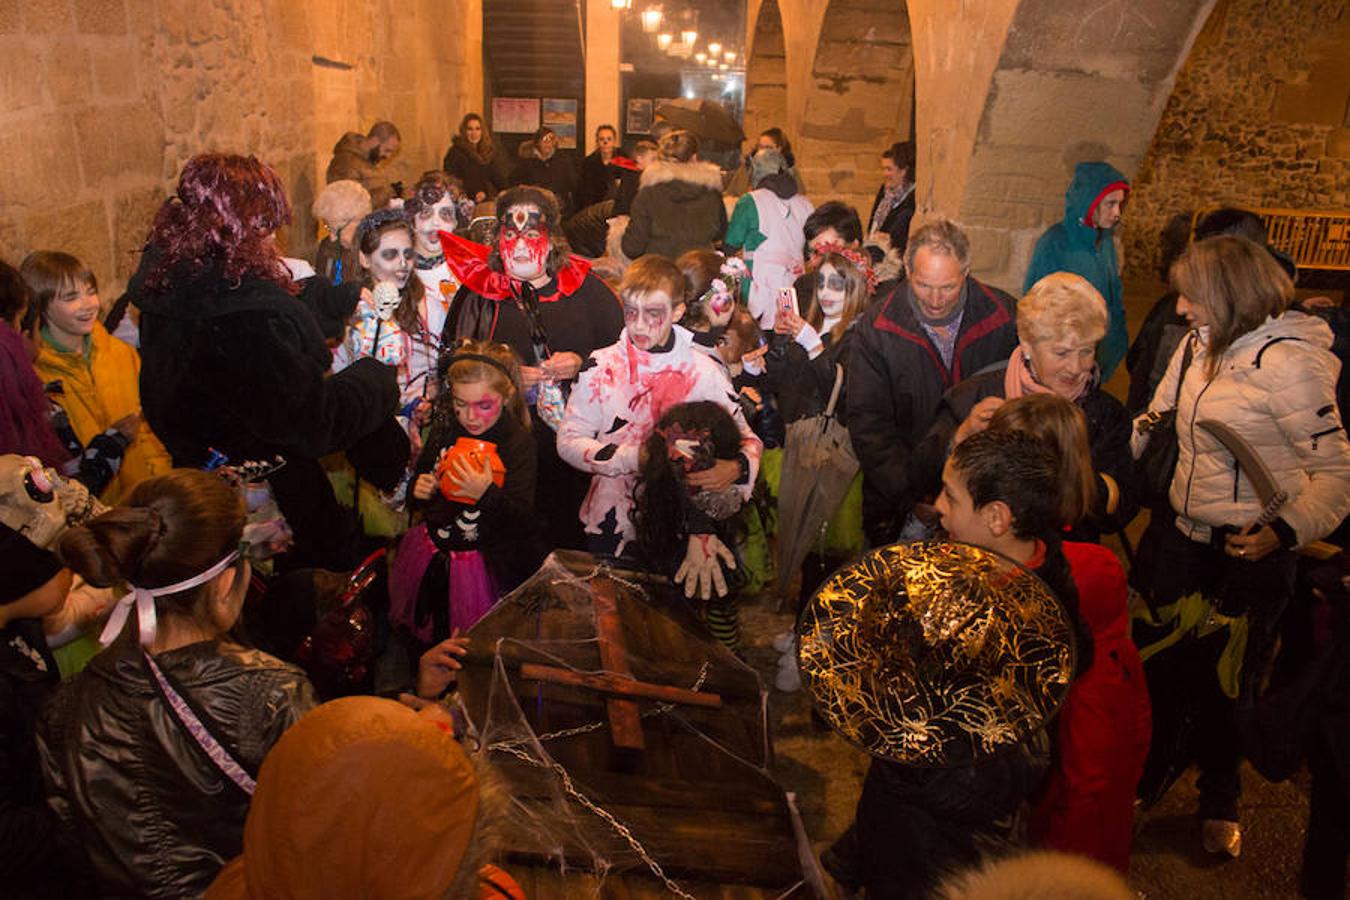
{"x": 468, "y": 260}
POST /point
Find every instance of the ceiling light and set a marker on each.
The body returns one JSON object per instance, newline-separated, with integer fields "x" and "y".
{"x": 689, "y": 36}
{"x": 651, "y": 19}
{"x": 700, "y": 56}
{"x": 664, "y": 40}
{"x": 723, "y": 66}
{"x": 621, "y": 4}
{"x": 729, "y": 56}
{"x": 714, "y": 48}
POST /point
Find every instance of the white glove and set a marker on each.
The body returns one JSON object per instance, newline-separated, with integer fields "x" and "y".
{"x": 701, "y": 570}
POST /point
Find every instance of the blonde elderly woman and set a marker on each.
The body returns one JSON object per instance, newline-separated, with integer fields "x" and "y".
{"x": 1224, "y": 559}
{"x": 340, "y": 206}
{"x": 1059, "y": 324}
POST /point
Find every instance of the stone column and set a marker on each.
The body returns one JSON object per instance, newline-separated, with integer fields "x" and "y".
{"x": 603, "y": 87}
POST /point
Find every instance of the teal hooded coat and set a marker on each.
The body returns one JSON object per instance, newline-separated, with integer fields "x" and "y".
{"x": 1075, "y": 246}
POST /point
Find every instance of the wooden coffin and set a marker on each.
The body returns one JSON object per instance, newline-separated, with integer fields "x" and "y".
{"x": 654, "y": 722}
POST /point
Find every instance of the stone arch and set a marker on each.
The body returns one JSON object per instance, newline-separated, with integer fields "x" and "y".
{"x": 1259, "y": 117}
{"x": 1066, "y": 88}
{"x": 859, "y": 100}
{"x": 766, "y": 87}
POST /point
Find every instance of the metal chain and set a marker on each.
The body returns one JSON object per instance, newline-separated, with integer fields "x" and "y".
{"x": 619, "y": 828}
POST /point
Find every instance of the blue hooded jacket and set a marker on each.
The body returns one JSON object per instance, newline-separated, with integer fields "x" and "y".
{"x": 1075, "y": 246}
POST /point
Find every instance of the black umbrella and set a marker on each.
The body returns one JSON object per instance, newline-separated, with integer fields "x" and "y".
{"x": 704, "y": 118}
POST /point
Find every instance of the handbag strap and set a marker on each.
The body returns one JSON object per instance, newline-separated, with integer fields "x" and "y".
{"x": 196, "y": 729}
{"x": 835, "y": 391}
{"x": 1186, "y": 356}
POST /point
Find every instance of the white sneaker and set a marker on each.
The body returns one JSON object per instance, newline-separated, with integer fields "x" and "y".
{"x": 789, "y": 678}
{"x": 1221, "y": 837}
{"x": 785, "y": 642}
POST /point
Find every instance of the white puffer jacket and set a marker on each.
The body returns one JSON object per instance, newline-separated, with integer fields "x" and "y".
{"x": 1276, "y": 387}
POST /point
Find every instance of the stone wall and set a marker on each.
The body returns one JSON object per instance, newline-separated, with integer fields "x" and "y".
{"x": 766, "y": 71}
{"x": 859, "y": 102}
{"x": 1071, "y": 85}
{"x": 1260, "y": 116}
{"x": 101, "y": 102}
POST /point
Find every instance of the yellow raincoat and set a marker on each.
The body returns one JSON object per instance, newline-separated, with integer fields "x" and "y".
{"x": 97, "y": 390}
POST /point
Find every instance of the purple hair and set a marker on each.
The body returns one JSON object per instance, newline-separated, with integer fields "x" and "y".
{"x": 222, "y": 216}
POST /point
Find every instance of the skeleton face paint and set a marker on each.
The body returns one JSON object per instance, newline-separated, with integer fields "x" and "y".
{"x": 649, "y": 318}
{"x": 392, "y": 259}
{"x": 430, "y": 221}
{"x": 523, "y": 242}
{"x": 830, "y": 286}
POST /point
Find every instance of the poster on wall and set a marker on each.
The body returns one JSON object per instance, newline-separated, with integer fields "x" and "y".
{"x": 561, "y": 116}
{"x": 515, "y": 115}
{"x": 639, "y": 117}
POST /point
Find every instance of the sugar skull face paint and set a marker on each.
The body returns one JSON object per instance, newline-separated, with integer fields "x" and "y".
{"x": 392, "y": 259}
{"x": 477, "y": 405}
{"x": 523, "y": 242}
{"x": 830, "y": 287}
{"x": 649, "y": 318}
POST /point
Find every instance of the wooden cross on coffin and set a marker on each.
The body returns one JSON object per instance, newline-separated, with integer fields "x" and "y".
{"x": 617, "y": 681}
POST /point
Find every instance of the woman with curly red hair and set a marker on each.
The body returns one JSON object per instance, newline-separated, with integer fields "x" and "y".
{"x": 234, "y": 354}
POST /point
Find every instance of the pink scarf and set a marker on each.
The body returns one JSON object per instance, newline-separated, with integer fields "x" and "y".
{"x": 1018, "y": 381}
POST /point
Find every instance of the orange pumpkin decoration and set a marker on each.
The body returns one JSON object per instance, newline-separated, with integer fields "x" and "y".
{"x": 474, "y": 452}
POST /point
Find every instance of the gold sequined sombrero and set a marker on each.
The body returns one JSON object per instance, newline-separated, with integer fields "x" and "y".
{"x": 935, "y": 653}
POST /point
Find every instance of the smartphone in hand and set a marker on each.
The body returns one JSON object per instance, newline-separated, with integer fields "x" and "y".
{"x": 787, "y": 301}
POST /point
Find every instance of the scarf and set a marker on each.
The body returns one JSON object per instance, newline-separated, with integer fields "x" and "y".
{"x": 1019, "y": 380}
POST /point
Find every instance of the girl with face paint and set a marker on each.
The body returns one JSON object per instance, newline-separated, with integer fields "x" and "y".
{"x": 388, "y": 324}
{"x": 388, "y": 327}
{"x": 474, "y": 484}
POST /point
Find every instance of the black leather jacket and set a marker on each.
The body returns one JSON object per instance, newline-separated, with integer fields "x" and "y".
{"x": 156, "y": 816}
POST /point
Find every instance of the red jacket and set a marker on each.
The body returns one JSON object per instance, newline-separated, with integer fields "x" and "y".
{"x": 1103, "y": 729}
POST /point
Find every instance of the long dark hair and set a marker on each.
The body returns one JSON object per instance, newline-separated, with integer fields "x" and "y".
{"x": 485, "y": 149}
{"x": 369, "y": 233}
{"x": 660, "y": 497}
{"x": 221, "y": 217}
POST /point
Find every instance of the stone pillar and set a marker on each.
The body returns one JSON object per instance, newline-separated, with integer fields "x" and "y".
{"x": 603, "y": 86}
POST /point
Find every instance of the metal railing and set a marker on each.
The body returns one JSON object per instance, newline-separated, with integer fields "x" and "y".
{"x": 1314, "y": 240}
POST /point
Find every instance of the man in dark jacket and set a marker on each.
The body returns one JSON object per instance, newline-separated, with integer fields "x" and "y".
{"x": 360, "y": 159}
{"x": 894, "y": 207}
{"x": 937, "y": 327}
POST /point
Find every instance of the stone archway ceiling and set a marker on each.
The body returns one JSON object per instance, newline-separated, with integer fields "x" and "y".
{"x": 860, "y": 100}
{"x": 1072, "y": 84}
{"x": 766, "y": 87}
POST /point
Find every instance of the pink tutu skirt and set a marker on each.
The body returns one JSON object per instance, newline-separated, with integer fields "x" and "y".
{"x": 469, "y": 598}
